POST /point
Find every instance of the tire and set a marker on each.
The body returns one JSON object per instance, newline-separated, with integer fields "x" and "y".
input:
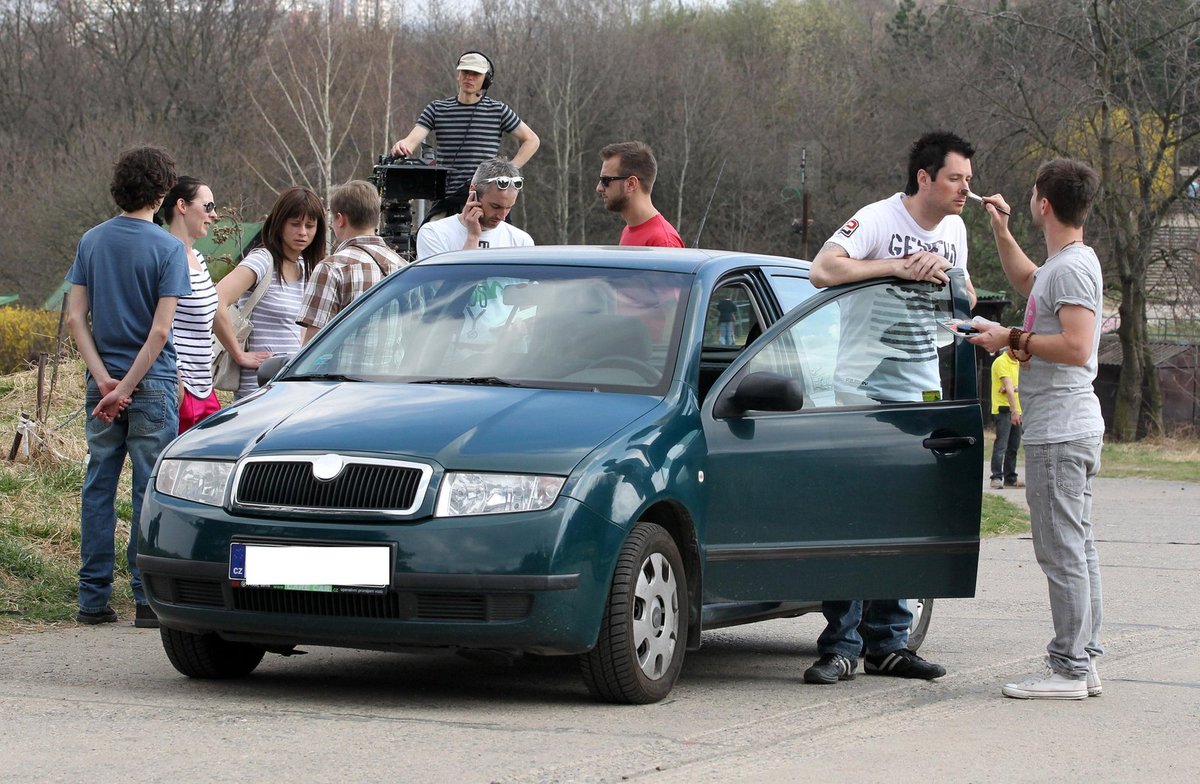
{"x": 922, "y": 610}
{"x": 209, "y": 656}
{"x": 643, "y": 633}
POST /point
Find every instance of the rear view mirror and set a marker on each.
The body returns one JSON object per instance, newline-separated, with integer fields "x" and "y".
{"x": 760, "y": 392}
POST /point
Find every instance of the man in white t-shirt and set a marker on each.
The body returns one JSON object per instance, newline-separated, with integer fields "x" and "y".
{"x": 916, "y": 235}
{"x": 481, "y": 224}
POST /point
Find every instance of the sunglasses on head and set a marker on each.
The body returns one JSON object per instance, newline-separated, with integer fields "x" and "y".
{"x": 504, "y": 183}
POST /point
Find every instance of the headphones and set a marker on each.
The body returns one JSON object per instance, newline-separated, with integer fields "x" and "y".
{"x": 491, "y": 71}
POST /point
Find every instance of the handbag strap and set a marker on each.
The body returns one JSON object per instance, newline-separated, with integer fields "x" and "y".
{"x": 260, "y": 289}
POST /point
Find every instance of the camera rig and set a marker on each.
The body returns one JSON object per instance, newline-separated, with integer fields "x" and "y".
{"x": 400, "y": 181}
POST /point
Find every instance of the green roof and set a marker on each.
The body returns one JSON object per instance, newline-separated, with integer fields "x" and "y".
{"x": 228, "y": 240}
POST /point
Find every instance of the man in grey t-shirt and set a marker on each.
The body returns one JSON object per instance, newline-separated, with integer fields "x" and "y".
{"x": 1063, "y": 428}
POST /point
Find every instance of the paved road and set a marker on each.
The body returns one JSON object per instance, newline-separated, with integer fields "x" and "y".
{"x": 98, "y": 704}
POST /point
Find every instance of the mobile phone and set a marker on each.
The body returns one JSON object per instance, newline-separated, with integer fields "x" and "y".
{"x": 958, "y": 327}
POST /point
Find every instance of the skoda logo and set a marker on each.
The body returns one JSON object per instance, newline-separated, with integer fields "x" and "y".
{"x": 326, "y": 467}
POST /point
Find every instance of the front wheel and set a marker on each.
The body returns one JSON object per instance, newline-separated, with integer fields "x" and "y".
{"x": 209, "y": 656}
{"x": 643, "y": 633}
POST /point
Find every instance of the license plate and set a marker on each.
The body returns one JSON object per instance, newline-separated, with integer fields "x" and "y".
{"x": 312, "y": 568}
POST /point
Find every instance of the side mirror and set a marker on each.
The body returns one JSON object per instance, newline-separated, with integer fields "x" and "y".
{"x": 760, "y": 392}
{"x": 270, "y": 368}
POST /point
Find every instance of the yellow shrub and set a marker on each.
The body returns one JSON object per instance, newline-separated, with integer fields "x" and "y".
{"x": 23, "y": 333}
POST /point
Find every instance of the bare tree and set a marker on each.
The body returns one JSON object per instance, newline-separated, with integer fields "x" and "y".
{"x": 316, "y": 80}
{"x": 1116, "y": 82}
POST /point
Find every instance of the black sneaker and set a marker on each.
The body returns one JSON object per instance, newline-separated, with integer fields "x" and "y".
{"x": 93, "y": 617}
{"x": 831, "y": 668}
{"x": 903, "y": 664}
{"x": 145, "y": 618}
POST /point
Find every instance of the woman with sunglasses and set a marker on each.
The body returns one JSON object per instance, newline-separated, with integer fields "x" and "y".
{"x": 293, "y": 240}
{"x": 481, "y": 223}
{"x": 187, "y": 211}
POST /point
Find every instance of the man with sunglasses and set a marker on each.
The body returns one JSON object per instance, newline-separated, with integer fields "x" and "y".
{"x": 626, "y": 180}
{"x": 481, "y": 224}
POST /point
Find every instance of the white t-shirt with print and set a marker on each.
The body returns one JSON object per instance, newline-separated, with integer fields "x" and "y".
{"x": 893, "y": 332}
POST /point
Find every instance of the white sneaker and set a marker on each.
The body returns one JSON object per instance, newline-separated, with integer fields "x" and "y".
{"x": 1049, "y": 685}
{"x": 1094, "y": 687}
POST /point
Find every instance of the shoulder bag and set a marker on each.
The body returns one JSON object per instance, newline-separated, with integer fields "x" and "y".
{"x": 226, "y": 373}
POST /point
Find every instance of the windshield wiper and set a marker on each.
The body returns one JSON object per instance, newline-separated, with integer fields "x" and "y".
{"x": 483, "y": 381}
{"x": 321, "y": 377}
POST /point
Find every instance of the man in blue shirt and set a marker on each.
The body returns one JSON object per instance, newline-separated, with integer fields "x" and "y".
{"x": 127, "y": 276}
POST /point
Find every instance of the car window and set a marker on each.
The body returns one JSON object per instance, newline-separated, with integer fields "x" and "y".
{"x": 557, "y": 327}
{"x": 731, "y": 317}
{"x": 871, "y": 346}
{"x": 792, "y": 290}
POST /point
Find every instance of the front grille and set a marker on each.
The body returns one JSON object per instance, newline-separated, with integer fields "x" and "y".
{"x": 361, "y": 485}
{"x": 391, "y": 606}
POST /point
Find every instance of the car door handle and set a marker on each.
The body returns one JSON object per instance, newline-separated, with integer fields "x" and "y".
{"x": 948, "y": 443}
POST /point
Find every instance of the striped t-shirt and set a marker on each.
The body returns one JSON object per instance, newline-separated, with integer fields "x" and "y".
{"x": 193, "y": 332}
{"x": 467, "y": 134}
{"x": 273, "y": 319}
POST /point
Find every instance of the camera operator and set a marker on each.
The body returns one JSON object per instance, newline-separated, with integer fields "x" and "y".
{"x": 469, "y": 128}
{"x": 493, "y": 192}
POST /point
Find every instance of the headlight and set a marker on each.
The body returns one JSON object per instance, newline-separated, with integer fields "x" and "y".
{"x": 476, "y": 494}
{"x": 202, "y": 481}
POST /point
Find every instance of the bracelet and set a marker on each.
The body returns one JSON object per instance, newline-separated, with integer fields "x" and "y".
{"x": 1028, "y": 337}
{"x": 1014, "y": 338}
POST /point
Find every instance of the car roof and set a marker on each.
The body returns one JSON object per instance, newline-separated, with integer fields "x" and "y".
{"x": 685, "y": 260}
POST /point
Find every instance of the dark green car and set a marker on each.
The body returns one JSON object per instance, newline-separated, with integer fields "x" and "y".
{"x": 599, "y": 452}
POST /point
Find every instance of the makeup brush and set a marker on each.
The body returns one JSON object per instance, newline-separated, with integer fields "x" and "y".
{"x": 978, "y": 198}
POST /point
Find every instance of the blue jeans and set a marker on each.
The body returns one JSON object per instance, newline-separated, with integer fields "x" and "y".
{"x": 1004, "y": 452}
{"x": 884, "y": 623}
{"x": 1058, "y": 487}
{"x": 141, "y": 431}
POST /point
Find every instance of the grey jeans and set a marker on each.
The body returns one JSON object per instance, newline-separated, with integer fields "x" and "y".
{"x": 1059, "y": 491}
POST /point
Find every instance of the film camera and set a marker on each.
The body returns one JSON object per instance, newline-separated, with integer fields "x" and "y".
{"x": 400, "y": 180}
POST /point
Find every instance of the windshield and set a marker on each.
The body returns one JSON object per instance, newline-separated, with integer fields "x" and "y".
{"x": 509, "y": 325}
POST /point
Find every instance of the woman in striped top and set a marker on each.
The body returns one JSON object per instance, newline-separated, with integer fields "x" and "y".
{"x": 293, "y": 240}
{"x": 187, "y": 211}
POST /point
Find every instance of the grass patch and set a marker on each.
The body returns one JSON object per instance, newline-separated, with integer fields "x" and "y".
{"x": 39, "y": 506}
{"x": 1175, "y": 459}
{"x": 1001, "y": 517}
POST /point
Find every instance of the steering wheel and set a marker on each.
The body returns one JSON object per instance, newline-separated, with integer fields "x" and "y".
{"x": 648, "y": 372}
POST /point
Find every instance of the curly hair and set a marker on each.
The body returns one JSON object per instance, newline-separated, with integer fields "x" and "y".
{"x": 141, "y": 178}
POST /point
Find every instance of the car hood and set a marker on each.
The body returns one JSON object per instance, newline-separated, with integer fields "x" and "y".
{"x": 460, "y": 427}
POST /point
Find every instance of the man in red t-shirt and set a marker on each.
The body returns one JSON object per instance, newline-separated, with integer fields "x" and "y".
{"x": 626, "y": 180}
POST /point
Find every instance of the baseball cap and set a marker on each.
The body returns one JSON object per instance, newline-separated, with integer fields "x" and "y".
{"x": 473, "y": 61}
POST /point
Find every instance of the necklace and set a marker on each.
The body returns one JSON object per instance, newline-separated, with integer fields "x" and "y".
{"x": 1064, "y": 247}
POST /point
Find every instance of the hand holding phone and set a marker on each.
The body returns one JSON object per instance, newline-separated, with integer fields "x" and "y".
{"x": 959, "y": 327}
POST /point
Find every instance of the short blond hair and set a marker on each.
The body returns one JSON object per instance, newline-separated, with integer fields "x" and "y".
{"x": 359, "y": 201}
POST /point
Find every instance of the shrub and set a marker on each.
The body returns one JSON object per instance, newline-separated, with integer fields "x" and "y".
{"x": 24, "y": 333}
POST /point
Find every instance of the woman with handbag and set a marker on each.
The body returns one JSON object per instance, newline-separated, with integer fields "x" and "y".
{"x": 293, "y": 239}
{"x": 187, "y": 211}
